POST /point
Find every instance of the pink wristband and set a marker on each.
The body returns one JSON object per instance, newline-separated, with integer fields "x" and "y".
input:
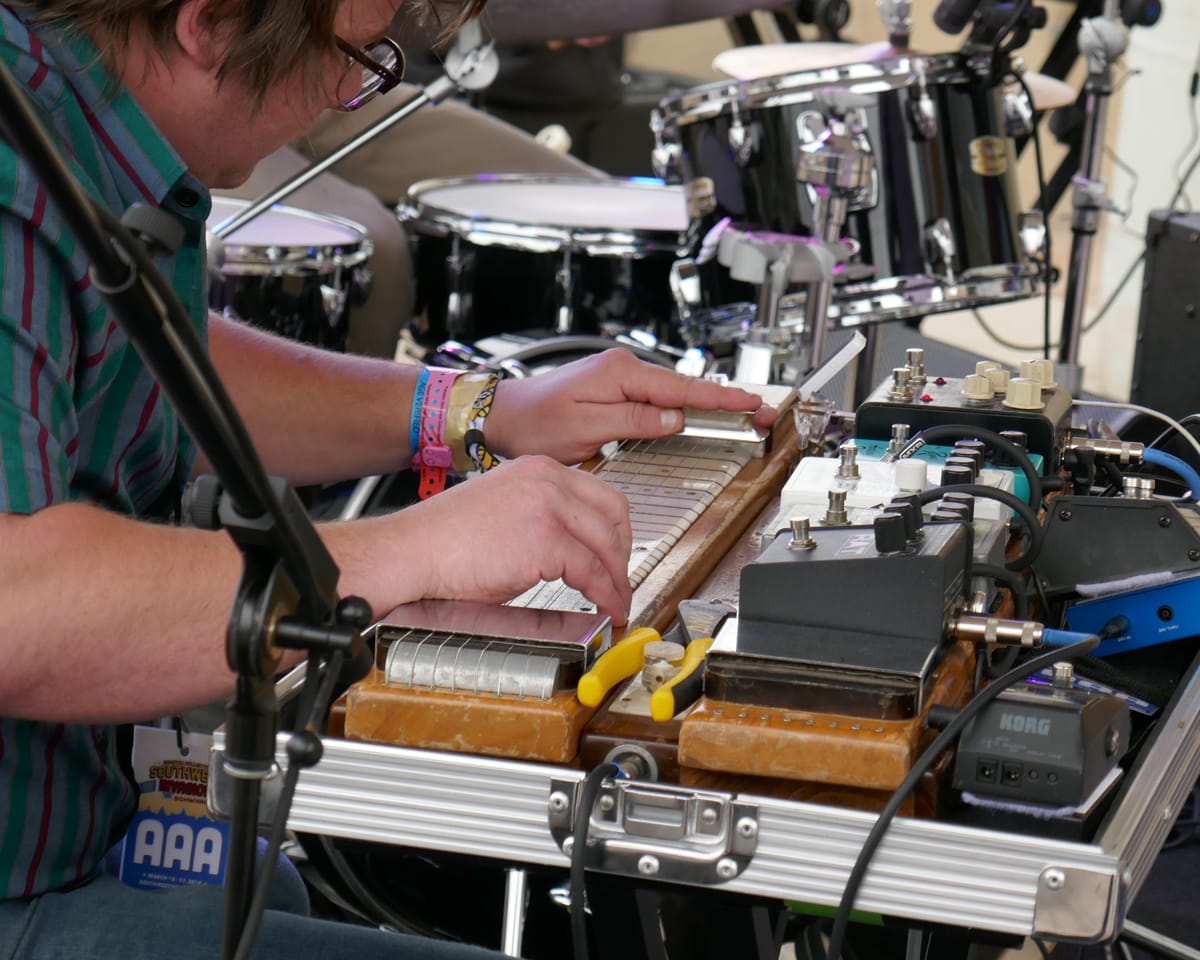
{"x": 433, "y": 456}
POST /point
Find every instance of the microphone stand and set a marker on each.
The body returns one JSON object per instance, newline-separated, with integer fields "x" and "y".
{"x": 1101, "y": 40}
{"x": 287, "y": 594}
{"x": 472, "y": 64}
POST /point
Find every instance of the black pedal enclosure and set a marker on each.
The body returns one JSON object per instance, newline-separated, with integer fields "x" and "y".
{"x": 1040, "y": 744}
{"x": 844, "y": 608}
{"x": 1097, "y": 539}
{"x": 940, "y": 401}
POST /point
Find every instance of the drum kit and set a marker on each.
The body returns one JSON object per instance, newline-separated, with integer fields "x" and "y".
{"x": 819, "y": 186}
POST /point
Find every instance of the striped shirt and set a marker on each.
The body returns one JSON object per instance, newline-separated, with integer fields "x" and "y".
{"x": 81, "y": 418}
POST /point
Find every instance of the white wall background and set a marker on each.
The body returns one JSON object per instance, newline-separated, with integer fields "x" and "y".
{"x": 1149, "y": 126}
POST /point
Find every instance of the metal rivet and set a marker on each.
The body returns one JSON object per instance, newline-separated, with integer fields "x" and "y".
{"x": 558, "y": 802}
{"x": 726, "y": 869}
{"x": 1054, "y": 879}
{"x": 647, "y": 865}
{"x": 746, "y": 827}
{"x": 607, "y": 803}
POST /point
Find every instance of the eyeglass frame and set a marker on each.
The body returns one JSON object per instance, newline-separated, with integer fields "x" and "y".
{"x": 389, "y": 78}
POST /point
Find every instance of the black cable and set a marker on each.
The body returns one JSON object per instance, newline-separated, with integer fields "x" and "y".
{"x": 1011, "y": 579}
{"x": 1024, "y": 510}
{"x": 958, "y": 430}
{"x": 577, "y": 888}
{"x": 1011, "y": 344}
{"x": 923, "y": 763}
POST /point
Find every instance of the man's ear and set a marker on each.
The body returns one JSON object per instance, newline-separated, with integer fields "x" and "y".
{"x": 197, "y": 34}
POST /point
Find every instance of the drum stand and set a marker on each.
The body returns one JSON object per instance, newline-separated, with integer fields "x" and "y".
{"x": 1101, "y": 40}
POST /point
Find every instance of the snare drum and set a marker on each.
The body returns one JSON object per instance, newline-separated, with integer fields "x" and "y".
{"x": 544, "y": 255}
{"x": 291, "y": 271}
{"x": 938, "y": 225}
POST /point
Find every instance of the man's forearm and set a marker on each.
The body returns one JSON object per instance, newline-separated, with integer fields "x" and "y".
{"x": 315, "y": 416}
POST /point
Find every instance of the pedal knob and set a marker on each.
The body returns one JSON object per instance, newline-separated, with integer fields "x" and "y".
{"x": 1024, "y": 393}
{"x": 1041, "y": 370}
{"x": 977, "y": 388}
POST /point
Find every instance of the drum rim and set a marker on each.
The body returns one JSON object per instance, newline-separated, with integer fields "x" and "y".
{"x": 919, "y": 295}
{"x": 251, "y": 259}
{"x": 713, "y": 99}
{"x": 637, "y": 243}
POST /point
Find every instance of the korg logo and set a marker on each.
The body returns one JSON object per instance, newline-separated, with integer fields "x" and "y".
{"x": 1023, "y": 723}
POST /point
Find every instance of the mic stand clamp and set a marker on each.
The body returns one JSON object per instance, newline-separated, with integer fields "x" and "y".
{"x": 998, "y": 30}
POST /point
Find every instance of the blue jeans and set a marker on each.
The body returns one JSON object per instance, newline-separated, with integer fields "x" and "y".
{"x": 106, "y": 919}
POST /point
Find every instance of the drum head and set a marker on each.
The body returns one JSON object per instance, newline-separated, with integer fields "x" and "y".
{"x": 613, "y": 217}
{"x": 772, "y": 59}
{"x": 285, "y": 238}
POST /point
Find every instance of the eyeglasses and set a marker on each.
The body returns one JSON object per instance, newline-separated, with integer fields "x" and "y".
{"x": 377, "y": 68}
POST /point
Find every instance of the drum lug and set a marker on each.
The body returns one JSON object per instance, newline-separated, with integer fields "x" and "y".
{"x": 666, "y": 159}
{"x": 921, "y": 111}
{"x": 333, "y": 299}
{"x": 1031, "y": 228}
{"x": 742, "y": 139}
{"x": 1018, "y": 114}
{"x": 940, "y": 248}
{"x": 565, "y": 292}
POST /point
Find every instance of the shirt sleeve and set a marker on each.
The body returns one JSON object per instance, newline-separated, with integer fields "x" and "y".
{"x": 38, "y": 427}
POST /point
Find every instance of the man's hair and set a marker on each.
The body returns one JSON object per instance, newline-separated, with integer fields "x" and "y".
{"x": 268, "y": 38}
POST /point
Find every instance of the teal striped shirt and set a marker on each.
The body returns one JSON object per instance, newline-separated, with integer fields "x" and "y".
{"x": 81, "y": 418}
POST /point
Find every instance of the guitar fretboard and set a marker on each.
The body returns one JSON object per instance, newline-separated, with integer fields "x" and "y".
{"x": 669, "y": 483}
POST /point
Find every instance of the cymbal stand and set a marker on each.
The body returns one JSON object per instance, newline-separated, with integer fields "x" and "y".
{"x": 1102, "y": 40}
{"x": 837, "y": 167}
{"x": 471, "y": 64}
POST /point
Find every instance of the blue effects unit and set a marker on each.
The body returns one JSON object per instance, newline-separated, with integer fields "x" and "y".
{"x": 1170, "y": 611}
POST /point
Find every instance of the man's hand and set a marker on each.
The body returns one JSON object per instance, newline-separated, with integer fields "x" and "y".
{"x": 569, "y": 413}
{"x": 493, "y": 537}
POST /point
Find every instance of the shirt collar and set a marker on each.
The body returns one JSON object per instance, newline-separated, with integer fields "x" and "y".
{"x": 146, "y": 167}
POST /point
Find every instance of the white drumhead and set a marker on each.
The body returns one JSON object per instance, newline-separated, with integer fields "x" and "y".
{"x": 283, "y": 226}
{"x": 773, "y": 59}
{"x": 638, "y": 205}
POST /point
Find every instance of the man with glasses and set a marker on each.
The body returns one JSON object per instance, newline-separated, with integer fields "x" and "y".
{"x": 112, "y": 614}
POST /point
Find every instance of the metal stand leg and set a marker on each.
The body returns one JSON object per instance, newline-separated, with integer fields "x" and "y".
{"x": 860, "y": 376}
{"x": 515, "y": 896}
{"x": 1155, "y": 943}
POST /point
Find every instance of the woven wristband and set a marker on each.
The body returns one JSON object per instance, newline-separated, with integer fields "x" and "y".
{"x": 470, "y": 404}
